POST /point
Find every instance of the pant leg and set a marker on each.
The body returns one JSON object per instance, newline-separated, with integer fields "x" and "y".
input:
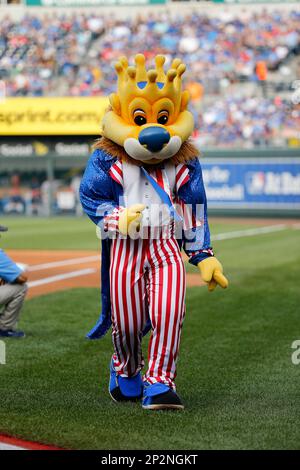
{"x": 128, "y": 302}
{"x": 12, "y": 296}
{"x": 167, "y": 286}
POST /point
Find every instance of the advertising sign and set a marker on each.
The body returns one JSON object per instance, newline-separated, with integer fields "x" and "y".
{"x": 52, "y": 116}
{"x": 271, "y": 183}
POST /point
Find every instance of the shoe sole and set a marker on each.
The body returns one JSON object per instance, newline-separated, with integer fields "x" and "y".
{"x": 125, "y": 400}
{"x": 113, "y": 399}
{"x": 163, "y": 407}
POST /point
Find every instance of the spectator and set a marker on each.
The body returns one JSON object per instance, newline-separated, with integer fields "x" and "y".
{"x": 13, "y": 289}
{"x": 73, "y": 55}
{"x": 57, "y": 54}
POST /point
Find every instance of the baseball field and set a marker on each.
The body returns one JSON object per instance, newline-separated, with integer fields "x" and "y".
{"x": 235, "y": 373}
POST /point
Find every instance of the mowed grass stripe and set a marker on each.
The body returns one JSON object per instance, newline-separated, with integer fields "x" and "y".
{"x": 61, "y": 233}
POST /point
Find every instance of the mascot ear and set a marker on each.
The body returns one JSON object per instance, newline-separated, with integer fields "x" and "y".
{"x": 185, "y": 97}
{"x": 115, "y": 103}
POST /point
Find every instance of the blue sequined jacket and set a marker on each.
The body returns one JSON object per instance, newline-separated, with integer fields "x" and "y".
{"x": 100, "y": 194}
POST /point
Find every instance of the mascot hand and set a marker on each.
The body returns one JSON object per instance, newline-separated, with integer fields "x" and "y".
{"x": 212, "y": 273}
{"x": 130, "y": 218}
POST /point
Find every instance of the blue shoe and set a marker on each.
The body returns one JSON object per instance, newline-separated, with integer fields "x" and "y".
{"x": 125, "y": 388}
{"x": 160, "y": 397}
{"x": 12, "y": 334}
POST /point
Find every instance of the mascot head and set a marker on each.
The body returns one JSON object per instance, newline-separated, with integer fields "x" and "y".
{"x": 148, "y": 116}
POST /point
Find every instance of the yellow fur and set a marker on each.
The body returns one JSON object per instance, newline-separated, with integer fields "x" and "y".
{"x": 149, "y": 94}
{"x": 187, "y": 152}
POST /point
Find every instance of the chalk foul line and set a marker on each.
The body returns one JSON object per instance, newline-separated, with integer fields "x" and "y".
{"x": 249, "y": 232}
{"x": 63, "y": 263}
{"x": 83, "y": 260}
{"x": 61, "y": 277}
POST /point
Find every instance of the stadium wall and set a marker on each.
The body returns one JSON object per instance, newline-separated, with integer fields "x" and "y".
{"x": 253, "y": 182}
{"x": 132, "y": 8}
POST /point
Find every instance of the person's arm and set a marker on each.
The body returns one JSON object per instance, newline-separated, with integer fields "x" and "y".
{"x": 9, "y": 271}
{"x": 22, "y": 279}
{"x": 98, "y": 200}
{"x": 196, "y": 233}
{"x": 96, "y": 194}
{"x": 196, "y": 240}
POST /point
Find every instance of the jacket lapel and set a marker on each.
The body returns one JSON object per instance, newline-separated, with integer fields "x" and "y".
{"x": 116, "y": 172}
{"x": 182, "y": 176}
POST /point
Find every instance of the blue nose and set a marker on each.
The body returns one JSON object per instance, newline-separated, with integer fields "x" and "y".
{"x": 154, "y": 138}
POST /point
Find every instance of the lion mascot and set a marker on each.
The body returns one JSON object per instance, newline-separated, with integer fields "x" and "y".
{"x": 143, "y": 188}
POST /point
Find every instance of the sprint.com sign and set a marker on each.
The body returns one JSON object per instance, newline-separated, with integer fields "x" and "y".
{"x": 52, "y": 116}
{"x": 86, "y": 3}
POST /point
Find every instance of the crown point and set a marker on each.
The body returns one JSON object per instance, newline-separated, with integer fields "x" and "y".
{"x": 123, "y": 60}
{"x": 181, "y": 69}
{"x": 176, "y": 62}
{"x": 131, "y": 72}
{"x": 118, "y": 67}
{"x": 159, "y": 60}
{"x": 152, "y": 76}
{"x": 172, "y": 73}
{"x": 159, "y": 65}
{"x": 140, "y": 59}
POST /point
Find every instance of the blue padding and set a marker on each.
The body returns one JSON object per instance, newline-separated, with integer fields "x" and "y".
{"x": 113, "y": 382}
{"x": 155, "y": 389}
{"x": 131, "y": 386}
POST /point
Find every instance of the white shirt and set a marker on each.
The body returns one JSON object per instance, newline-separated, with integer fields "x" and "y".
{"x": 138, "y": 190}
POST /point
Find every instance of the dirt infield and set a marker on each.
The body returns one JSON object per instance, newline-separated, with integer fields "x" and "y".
{"x": 53, "y": 271}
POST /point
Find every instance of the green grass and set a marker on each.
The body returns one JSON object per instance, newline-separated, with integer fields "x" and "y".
{"x": 55, "y": 233}
{"x": 61, "y": 233}
{"x": 235, "y": 373}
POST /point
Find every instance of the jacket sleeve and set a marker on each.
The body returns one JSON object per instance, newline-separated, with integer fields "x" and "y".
{"x": 196, "y": 239}
{"x": 96, "y": 192}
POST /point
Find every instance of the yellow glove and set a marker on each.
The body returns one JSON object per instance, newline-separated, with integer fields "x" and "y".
{"x": 130, "y": 218}
{"x": 212, "y": 273}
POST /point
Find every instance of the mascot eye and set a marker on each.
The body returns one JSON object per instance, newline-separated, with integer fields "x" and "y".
{"x": 162, "y": 117}
{"x": 139, "y": 117}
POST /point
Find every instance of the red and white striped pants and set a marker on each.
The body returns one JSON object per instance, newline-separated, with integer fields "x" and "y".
{"x": 147, "y": 279}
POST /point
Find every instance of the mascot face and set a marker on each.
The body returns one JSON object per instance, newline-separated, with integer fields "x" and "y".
{"x": 148, "y": 115}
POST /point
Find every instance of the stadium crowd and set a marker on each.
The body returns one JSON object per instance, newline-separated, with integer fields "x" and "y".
{"x": 248, "y": 122}
{"x": 73, "y": 55}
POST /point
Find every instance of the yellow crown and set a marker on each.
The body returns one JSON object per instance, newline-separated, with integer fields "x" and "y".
{"x": 154, "y": 84}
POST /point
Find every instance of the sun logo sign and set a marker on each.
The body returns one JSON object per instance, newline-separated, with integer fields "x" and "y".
{"x": 2, "y": 353}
